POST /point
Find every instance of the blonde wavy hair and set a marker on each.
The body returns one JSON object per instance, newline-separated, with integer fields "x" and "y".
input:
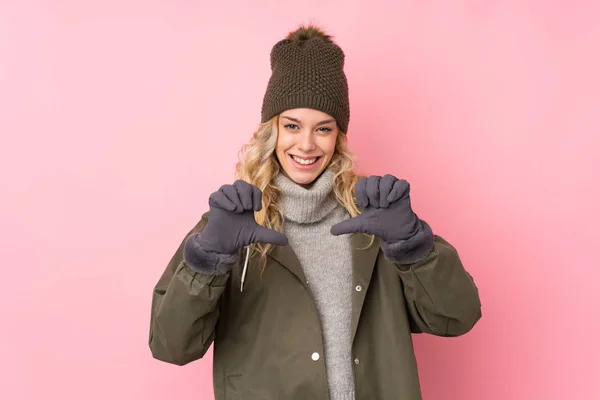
{"x": 258, "y": 165}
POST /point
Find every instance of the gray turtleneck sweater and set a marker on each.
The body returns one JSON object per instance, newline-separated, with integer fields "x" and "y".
{"x": 327, "y": 264}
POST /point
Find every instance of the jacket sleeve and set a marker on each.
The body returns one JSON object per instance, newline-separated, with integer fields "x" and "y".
{"x": 185, "y": 309}
{"x": 441, "y": 296}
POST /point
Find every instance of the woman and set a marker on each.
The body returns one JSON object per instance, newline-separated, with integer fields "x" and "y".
{"x": 308, "y": 278}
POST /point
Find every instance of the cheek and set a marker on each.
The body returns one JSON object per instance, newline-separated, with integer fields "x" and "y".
{"x": 328, "y": 146}
{"x": 282, "y": 143}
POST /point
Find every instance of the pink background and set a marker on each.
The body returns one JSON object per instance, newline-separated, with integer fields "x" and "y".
{"x": 118, "y": 118}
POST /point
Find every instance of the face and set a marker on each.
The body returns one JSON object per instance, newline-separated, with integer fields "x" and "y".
{"x": 305, "y": 143}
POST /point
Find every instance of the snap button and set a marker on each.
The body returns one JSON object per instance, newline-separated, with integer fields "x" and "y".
{"x": 358, "y": 288}
{"x": 315, "y": 356}
{"x": 356, "y": 361}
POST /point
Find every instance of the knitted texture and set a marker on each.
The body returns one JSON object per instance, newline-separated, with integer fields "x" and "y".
{"x": 307, "y": 71}
{"x": 327, "y": 264}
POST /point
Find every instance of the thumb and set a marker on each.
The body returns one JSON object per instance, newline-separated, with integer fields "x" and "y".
{"x": 350, "y": 225}
{"x": 266, "y": 235}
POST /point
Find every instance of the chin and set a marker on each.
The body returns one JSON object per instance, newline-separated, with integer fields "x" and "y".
{"x": 303, "y": 175}
{"x": 303, "y": 178}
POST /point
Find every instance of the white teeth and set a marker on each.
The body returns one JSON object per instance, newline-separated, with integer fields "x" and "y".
{"x": 303, "y": 161}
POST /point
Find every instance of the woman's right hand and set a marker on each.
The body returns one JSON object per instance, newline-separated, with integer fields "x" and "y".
{"x": 231, "y": 224}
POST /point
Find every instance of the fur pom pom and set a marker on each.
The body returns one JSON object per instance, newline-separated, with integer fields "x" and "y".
{"x": 308, "y": 32}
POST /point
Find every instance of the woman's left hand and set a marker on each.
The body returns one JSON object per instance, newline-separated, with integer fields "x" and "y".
{"x": 387, "y": 212}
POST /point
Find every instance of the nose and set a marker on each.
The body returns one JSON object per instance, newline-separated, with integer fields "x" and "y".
{"x": 306, "y": 142}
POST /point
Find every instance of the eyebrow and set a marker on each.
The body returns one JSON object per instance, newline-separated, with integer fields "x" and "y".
{"x": 300, "y": 122}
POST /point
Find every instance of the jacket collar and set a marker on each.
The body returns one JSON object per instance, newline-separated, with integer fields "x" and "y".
{"x": 363, "y": 263}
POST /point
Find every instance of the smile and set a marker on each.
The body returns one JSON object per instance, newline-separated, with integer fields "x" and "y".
{"x": 305, "y": 161}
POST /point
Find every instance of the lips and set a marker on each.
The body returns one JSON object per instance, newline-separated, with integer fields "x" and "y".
{"x": 304, "y": 163}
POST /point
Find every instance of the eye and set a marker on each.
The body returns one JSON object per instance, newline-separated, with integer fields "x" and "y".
{"x": 291, "y": 126}
{"x": 325, "y": 129}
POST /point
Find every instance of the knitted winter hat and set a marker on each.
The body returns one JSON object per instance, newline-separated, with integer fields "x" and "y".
{"x": 307, "y": 71}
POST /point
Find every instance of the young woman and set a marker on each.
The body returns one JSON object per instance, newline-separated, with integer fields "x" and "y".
{"x": 309, "y": 279}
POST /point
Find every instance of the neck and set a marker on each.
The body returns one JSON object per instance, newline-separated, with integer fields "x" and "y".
{"x": 307, "y": 203}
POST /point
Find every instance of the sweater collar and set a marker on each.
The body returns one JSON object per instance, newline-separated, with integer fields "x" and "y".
{"x": 307, "y": 205}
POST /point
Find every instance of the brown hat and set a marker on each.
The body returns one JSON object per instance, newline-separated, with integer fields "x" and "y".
{"x": 307, "y": 71}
